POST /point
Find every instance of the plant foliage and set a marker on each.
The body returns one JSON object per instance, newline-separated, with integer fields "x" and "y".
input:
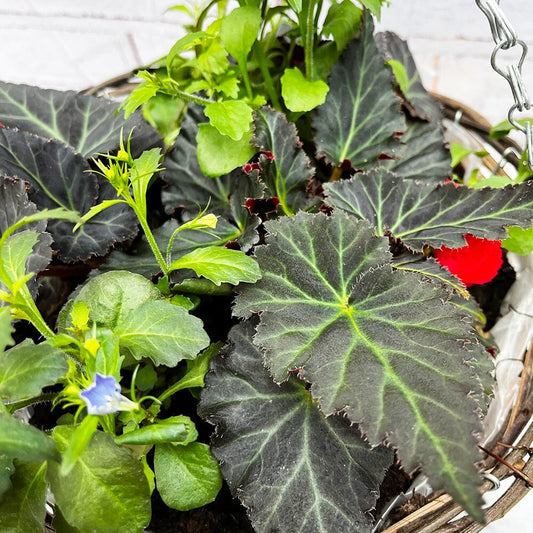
{"x": 294, "y": 208}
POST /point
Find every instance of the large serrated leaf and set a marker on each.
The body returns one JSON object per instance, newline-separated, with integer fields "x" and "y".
{"x": 288, "y": 174}
{"x": 89, "y": 125}
{"x": 421, "y": 213}
{"x": 361, "y": 114}
{"x": 423, "y": 154}
{"x": 279, "y": 453}
{"x": 419, "y": 102}
{"x": 381, "y": 345}
{"x": 59, "y": 177}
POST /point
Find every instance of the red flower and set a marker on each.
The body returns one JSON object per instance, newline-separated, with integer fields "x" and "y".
{"x": 477, "y": 262}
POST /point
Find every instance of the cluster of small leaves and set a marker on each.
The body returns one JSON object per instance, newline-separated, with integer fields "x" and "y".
{"x": 240, "y": 60}
{"x": 117, "y": 327}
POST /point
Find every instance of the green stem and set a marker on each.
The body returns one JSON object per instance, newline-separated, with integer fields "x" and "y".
{"x": 188, "y": 97}
{"x": 33, "y": 315}
{"x": 263, "y": 67}
{"x": 153, "y": 244}
{"x": 307, "y": 24}
{"x": 245, "y": 77}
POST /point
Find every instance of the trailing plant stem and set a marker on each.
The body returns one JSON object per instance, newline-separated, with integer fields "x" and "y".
{"x": 307, "y": 24}
{"x": 151, "y": 241}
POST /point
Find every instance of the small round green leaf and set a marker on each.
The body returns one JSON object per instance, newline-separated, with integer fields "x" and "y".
{"x": 301, "y": 94}
{"x": 186, "y": 476}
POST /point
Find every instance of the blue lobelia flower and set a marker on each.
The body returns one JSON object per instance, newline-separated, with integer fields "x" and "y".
{"x": 103, "y": 396}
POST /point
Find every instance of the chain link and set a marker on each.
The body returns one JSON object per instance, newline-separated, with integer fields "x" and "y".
{"x": 505, "y": 38}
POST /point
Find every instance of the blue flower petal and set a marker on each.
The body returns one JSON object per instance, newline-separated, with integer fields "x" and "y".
{"x": 103, "y": 396}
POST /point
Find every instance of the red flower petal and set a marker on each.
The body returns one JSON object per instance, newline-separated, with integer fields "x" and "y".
{"x": 477, "y": 262}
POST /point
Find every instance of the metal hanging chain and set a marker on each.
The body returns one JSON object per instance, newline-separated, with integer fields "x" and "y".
{"x": 505, "y": 38}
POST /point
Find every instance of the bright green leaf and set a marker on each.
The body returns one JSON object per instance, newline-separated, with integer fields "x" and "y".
{"x": 182, "y": 44}
{"x": 162, "y": 332}
{"x": 220, "y": 265}
{"x": 301, "y": 94}
{"x": 187, "y": 477}
{"x": 106, "y": 490}
{"x": 79, "y": 440}
{"x": 520, "y": 241}
{"x": 239, "y": 30}
{"x": 230, "y": 117}
{"x": 296, "y": 5}
{"x": 196, "y": 371}
{"x": 400, "y": 73}
{"x": 23, "y": 508}
{"x": 342, "y": 21}
{"x": 111, "y": 296}
{"x": 28, "y": 367}
{"x": 24, "y": 442}
{"x": 219, "y": 154}
{"x": 374, "y": 6}
{"x": 176, "y": 430}
{"x": 6, "y": 329}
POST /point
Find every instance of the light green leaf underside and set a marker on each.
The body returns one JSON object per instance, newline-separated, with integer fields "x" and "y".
{"x": 380, "y": 345}
{"x": 420, "y": 213}
{"x": 279, "y": 453}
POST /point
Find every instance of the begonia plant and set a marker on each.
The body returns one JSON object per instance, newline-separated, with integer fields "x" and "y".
{"x": 263, "y": 236}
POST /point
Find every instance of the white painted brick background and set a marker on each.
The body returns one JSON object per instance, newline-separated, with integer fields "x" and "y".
{"x": 66, "y": 44}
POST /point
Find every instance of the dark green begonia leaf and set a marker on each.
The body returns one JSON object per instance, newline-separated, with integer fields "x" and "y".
{"x": 89, "y": 125}
{"x": 418, "y": 101}
{"x": 28, "y": 367}
{"x": 287, "y": 175}
{"x": 278, "y": 452}
{"x": 23, "y": 507}
{"x": 420, "y": 213}
{"x": 105, "y": 491}
{"x": 361, "y": 114}
{"x": 383, "y": 346}
{"x": 423, "y": 154}
{"x": 59, "y": 177}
